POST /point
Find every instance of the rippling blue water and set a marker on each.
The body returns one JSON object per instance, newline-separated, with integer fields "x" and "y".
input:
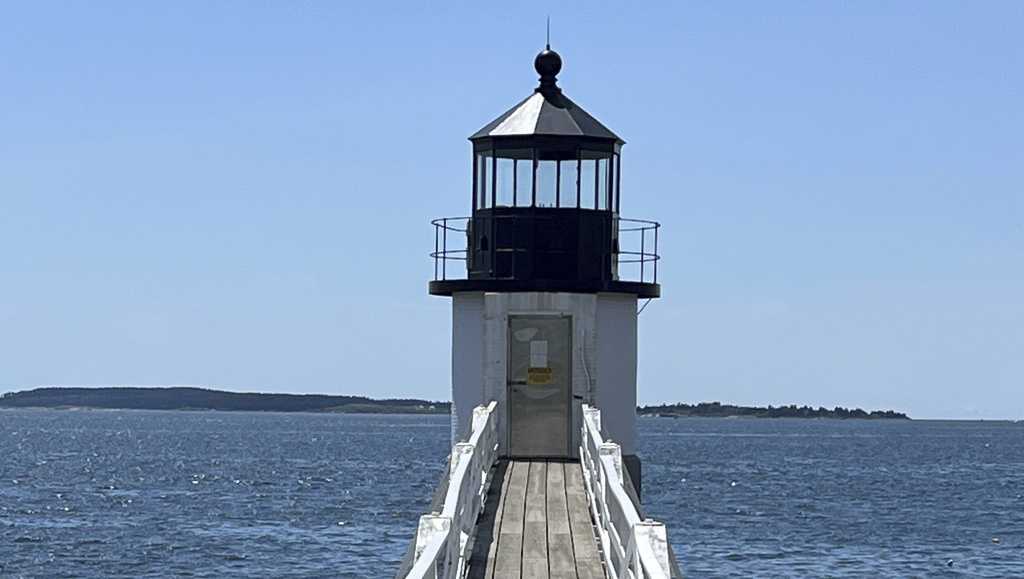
{"x": 206, "y": 494}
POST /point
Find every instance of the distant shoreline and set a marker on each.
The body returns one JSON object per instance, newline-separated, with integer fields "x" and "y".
{"x": 184, "y": 398}
{"x": 384, "y": 411}
{"x": 719, "y": 410}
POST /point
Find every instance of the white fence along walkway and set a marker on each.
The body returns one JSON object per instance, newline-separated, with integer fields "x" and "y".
{"x": 442, "y": 538}
{"x": 633, "y": 548}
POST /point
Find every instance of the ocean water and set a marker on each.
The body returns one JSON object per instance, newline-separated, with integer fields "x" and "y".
{"x": 209, "y": 494}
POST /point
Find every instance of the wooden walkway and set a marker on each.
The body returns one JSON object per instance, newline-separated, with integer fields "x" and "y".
{"x": 536, "y": 524}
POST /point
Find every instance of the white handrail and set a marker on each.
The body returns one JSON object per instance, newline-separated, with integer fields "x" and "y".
{"x": 442, "y": 538}
{"x": 633, "y": 548}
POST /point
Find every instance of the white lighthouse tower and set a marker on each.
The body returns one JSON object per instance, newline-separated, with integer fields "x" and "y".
{"x": 544, "y": 316}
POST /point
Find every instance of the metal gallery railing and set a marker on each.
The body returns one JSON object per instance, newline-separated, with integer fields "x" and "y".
{"x": 458, "y": 229}
{"x": 635, "y": 256}
{"x": 643, "y": 255}
{"x": 442, "y": 537}
{"x": 633, "y": 547}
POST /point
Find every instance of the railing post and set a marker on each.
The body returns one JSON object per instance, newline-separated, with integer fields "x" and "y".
{"x": 444, "y": 260}
{"x": 484, "y": 421}
{"x": 480, "y": 416}
{"x": 614, "y": 452}
{"x": 492, "y": 410}
{"x": 653, "y": 533}
{"x": 462, "y": 451}
{"x": 429, "y": 528}
{"x": 595, "y": 415}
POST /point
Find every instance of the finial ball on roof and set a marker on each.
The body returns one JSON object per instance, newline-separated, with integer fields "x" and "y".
{"x": 548, "y": 63}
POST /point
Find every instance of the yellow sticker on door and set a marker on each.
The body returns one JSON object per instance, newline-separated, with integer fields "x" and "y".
{"x": 538, "y": 376}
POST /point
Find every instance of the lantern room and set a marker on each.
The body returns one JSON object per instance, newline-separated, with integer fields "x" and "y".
{"x": 545, "y": 203}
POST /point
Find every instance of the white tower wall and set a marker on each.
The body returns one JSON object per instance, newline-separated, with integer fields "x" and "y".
{"x": 603, "y": 356}
{"x": 615, "y": 394}
{"x": 467, "y": 360}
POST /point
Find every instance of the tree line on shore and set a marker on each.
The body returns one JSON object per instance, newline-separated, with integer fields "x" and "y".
{"x": 717, "y": 409}
{"x": 192, "y": 398}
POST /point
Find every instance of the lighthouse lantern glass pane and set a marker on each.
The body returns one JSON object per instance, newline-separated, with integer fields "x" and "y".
{"x": 478, "y": 181}
{"x": 524, "y": 181}
{"x": 546, "y": 179}
{"x": 587, "y": 173}
{"x": 567, "y": 183}
{"x": 616, "y": 179}
{"x": 602, "y": 184}
{"x": 506, "y": 172}
{"x": 484, "y": 179}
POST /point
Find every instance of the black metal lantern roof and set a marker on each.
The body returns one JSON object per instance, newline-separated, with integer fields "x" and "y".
{"x": 547, "y": 111}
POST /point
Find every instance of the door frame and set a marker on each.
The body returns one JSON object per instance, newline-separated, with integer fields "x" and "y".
{"x": 569, "y": 385}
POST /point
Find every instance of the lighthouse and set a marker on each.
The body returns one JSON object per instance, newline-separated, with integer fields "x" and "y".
{"x": 546, "y": 278}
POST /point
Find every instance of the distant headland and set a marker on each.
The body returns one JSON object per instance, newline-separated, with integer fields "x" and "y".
{"x": 196, "y": 398}
{"x": 717, "y": 409}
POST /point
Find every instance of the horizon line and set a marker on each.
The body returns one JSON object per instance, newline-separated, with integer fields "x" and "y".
{"x": 4, "y": 390}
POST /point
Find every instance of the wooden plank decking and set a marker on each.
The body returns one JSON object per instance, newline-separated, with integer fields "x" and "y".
{"x": 536, "y": 524}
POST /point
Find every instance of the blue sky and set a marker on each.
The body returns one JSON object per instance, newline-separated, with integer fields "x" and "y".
{"x": 238, "y": 194}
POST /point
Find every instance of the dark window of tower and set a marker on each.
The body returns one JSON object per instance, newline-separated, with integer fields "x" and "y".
{"x": 602, "y": 184}
{"x": 588, "y": 172}
{"x": 506, "y": 181}
{"x": 524, "y": 178}
{"x": 618, "y": 182}
{"x": 567, "y": 182}
{"x": 547, "y": 173}
{"x": 484, "y": 179}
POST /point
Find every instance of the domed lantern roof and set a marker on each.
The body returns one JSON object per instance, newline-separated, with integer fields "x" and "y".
{"x": 547, "y": 111}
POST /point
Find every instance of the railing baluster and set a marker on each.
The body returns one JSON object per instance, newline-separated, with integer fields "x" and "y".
{"x": 643, "y": 256}
{"x": 656, "y": 256}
